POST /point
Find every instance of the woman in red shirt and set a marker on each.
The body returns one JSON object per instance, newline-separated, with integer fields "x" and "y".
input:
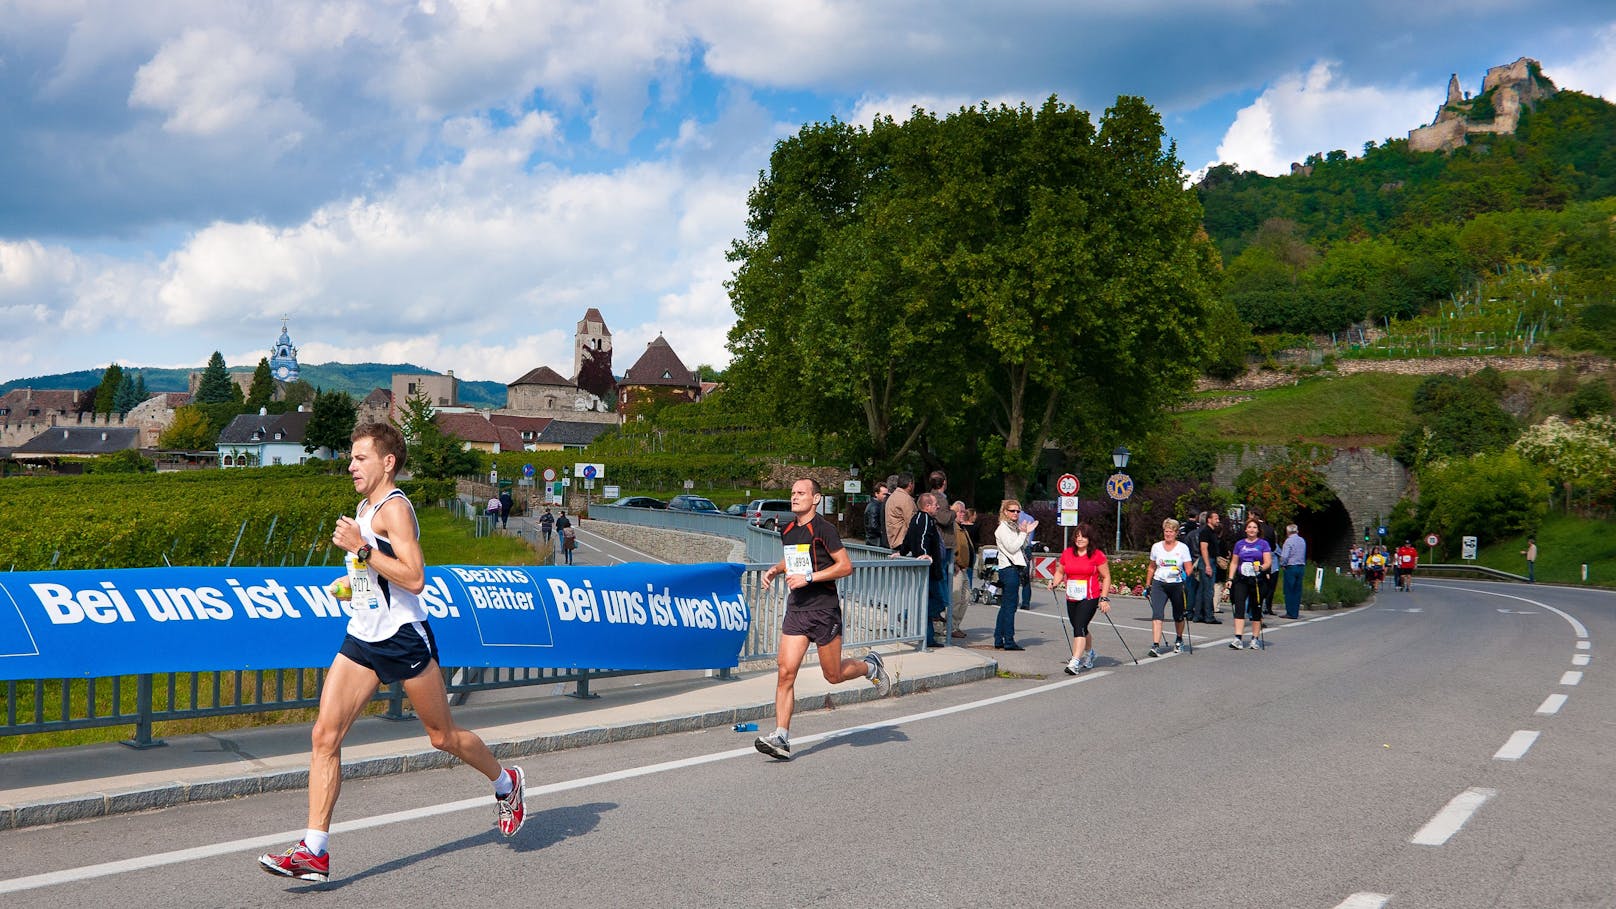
{"x": 1086, "y": 577}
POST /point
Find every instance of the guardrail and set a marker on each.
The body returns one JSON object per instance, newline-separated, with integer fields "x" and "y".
{"x": 1466, "y": 568}
{"x": 708, "y": 522}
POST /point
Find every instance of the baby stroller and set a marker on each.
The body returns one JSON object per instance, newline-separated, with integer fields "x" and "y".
{"x": 987, "y": 576}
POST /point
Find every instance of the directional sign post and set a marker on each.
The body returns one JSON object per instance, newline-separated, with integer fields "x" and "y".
{"x": 1469, "y": 545}
{"x": 1119, "y": 486}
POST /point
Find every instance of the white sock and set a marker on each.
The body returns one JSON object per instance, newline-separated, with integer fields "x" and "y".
{"x": 784, "y": 734}
{"x": 504, "y": 784}
{"x": 315, "y": 840}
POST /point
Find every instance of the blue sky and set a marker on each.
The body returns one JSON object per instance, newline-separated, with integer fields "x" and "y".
{"x": 453, "y": 182}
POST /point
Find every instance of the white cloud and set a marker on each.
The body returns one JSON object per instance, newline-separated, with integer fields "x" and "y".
{"x": 1592, "y": 72}
{"x": 210, "y": 82}
{"x": 1299, "y": 115}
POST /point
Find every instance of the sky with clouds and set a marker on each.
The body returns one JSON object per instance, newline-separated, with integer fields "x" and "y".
{"x": 452, "y": 183}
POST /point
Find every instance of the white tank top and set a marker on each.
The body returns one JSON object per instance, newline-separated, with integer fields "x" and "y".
{"x": 379, "y": 608}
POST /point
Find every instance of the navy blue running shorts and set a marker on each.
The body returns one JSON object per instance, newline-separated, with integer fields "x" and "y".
{"x": 1160, "y": 595}
{"x": 818, "y": 625}
{"x": 400, "y": 658}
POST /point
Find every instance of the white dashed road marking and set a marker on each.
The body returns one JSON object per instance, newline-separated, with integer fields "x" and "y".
{"x": 1364, "y": 900}
{"x": 1572, "y": 677}
{"x": 1552, "y": 704}
{"x": 1517, "y": 746}
{"x": 1452, "y": 817}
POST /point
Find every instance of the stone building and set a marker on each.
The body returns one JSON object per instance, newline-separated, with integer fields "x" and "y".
{"x": 1505, "y": 91}
{"x": 658, "y": 373}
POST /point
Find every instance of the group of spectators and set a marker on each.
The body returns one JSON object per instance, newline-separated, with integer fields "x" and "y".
{"x": 925, "y": 525}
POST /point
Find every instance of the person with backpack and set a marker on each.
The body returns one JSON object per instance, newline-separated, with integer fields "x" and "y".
{"x": 568, "y": 535}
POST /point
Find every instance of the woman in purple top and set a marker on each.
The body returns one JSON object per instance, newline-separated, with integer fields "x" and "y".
{"x": 1252, "y": 557}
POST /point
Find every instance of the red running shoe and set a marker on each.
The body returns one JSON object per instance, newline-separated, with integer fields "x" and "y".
{"x": 512, "y": 809}
{"x": 298, "y": 862}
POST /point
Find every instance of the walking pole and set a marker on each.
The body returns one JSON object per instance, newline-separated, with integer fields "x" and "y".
{"x": 1056, "y": 598}
{"x": 1121, "y": 638}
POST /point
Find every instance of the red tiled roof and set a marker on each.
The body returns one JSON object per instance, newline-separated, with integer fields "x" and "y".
{"x": 593, "y": 315}
{"x": 467, "y": 427}
{"x": 19, "y": 401}
{"x": 519, "y": 422}
{"x": 510, "y": 438}
{"x": 543, "y": 375}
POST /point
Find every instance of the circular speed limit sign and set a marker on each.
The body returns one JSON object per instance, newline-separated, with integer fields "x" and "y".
{"x": 1066, "y": 485}
{"x": 1432, "y": 539}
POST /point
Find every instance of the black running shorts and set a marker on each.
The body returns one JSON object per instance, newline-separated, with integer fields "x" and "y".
{"x": 1081, "y": 612}
{"x": 818, "y": 625}
{"x": 1160, "y": 595}
{"x": 400, "y": 658}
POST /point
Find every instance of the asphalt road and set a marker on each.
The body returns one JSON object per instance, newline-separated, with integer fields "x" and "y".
{"x": 1413, "y": 753}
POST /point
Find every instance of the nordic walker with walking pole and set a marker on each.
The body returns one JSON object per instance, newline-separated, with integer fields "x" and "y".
{"x": 1164, "y": 578}
{"x": 1251, "y": 557}
{"x": 1082, "y": 572}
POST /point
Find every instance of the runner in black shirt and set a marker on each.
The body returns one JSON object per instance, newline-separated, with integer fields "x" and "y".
{"x": 814, "y": 559}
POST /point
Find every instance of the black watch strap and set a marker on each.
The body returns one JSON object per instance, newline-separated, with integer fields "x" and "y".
{"x": 363, "y": 553}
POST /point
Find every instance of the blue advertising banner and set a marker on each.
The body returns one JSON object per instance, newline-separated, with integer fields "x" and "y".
{"x": 62, "y": 624}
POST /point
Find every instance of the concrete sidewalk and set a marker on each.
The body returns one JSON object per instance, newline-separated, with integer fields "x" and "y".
{"x": 45, "y": 787}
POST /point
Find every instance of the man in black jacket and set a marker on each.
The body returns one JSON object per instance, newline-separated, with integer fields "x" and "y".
{"x": 924, "y": 541}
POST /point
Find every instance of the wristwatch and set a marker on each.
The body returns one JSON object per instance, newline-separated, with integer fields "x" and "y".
{"x": 809, "y": 577}
{"x": 363, "y": 553}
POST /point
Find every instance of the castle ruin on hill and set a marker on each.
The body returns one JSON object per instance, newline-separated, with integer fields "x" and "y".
{"x": 1504, "y": 92}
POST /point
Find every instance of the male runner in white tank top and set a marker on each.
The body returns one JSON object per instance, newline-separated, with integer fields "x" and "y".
{"x": 388, "y": 641}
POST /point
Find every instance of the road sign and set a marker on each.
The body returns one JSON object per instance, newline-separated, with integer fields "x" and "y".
{"x": 1381, "y": 530}
{"x": 589, "y": 471}
{"x": 1068, "y": 503}
{"x": 690, "y": 484}
{"x": 1432, "y": 539}
{"x": 1067, "y": 485}
{"x": 1066, "y": 517}
{"x": 549, "y": 475}
{"x": 1119, "y": 486}
{"x": 612, "y": 492}
{"x": 852, "y": 487}
{"x": 1469, "y": 544}
{"x": 1043, "y": 567}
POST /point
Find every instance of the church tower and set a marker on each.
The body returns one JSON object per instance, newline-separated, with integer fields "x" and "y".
{"x": 592, "y": 335}
{"x": 283, "y": 357}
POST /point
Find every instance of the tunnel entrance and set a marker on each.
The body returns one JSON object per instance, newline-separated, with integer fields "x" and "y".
{"x": 1328, "y": 533}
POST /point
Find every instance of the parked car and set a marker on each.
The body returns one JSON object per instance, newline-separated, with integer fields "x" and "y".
{"x": 769, "y": 513}
{"x": 738, "y": 509}
{"x": 640, "y": 502}
{"x": 692, "y": 503}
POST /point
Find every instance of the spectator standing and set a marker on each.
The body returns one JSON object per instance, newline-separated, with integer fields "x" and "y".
{"x": 899, "y": 509}
{"x": 506, "y": 503}
{"x": 875, "y": 531}
{"x": 546, "y": 524}
{"x": 1292, "y": 564}
{"x": 1209, "y": 545}
{"x": 1249, "y": 558}
{"x": 937, "y": 485}
{"x": 567, "y": 536}
{"x": 925, "y": 541}
{"x": 964, "y": 565}
{"x": 1085, "y": 575}
{"x": 1188, "y": 534}
{"x": 1011, "y": 540}
{"x": 1531, "y": 559}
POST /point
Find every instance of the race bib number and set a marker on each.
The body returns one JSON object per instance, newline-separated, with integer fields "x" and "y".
{"x": 1077, "y": 590}
{"x": 1170, "y": 572}
{"x": 799, "y": 559}
{"x": 364, "y": 593}
{"x": 1248, "y": 569}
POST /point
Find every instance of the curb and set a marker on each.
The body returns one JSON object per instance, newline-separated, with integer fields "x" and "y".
{"x": 179, "y": 792}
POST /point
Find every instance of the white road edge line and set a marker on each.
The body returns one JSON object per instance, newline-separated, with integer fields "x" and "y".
{"x": 1571, "y": 677}
{"x": 485, "y": 802}
{"x": 1517, "y": 746}
{"x": 1576, "y": 626}
{"x": 1552, "y": 704}
{"x": 1580, "y": 659}
{"x": 1452, "y": 817}
{"x": 1364, "y": 900}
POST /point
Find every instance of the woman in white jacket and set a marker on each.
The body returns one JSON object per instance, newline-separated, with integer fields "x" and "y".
{"x": 1011, "y": 538}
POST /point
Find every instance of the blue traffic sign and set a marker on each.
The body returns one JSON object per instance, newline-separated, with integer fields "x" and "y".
{"x": 527, "y": 471}
{"x": 589, "y": 471}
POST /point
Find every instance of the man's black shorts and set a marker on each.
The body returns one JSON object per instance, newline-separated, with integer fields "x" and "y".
{"x": 400, "y": 658}
{"x": 818, "y": 625}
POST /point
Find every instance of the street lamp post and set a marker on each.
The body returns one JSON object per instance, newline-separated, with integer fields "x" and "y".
{"x": 1119, "y": 460}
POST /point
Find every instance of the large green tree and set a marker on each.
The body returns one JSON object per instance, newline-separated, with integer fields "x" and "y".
{"x": 331, "y": 425}
{"x": 263, "y": 387}
{"x": 106, "y": 395}
{"x": 1003, "y": 278}
{"x": 214, "y": 386}
{"x": 431, "y": 453}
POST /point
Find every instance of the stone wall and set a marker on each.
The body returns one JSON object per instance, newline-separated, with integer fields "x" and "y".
{"x": 1258, "y": 379}
{"x": 1367, "y": 482}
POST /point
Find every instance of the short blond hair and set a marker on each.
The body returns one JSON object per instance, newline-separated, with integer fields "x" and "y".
{"x": 1170, "y": 524}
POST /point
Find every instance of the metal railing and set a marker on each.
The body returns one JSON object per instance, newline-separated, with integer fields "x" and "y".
{"x": 883, "y": 602}
{"x": 709, "y": 522}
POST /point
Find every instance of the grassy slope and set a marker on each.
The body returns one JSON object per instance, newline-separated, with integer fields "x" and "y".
{"x": 1367, "y": 409}
{"x": 1564, "y": 544}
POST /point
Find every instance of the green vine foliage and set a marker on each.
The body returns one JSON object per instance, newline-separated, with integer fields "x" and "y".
{"x": 1285, "y": 490}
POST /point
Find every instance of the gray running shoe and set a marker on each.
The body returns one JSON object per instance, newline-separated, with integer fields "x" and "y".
{"x": 1074, "y": 666}
{"x": 1257, "y": 644}
{"x": 1156, "y": 650}
{"x": 1088, "y": 659}
{"x": 1178, "y": 646}
{"x": 1236, "y": 644}
{"x": 774, "y": 746}
{"x": 878, "y": 675}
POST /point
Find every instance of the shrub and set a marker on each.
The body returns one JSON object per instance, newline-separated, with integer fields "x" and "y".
{"x": 1340, "y": 590}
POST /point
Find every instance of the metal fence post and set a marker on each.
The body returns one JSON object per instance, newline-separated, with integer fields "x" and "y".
{"x": 395, "y": 702}
{"x": 582, "y": 691}
{"x": 143, "y": 716}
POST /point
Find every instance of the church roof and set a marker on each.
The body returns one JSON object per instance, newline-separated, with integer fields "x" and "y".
{"x": 593, "y": 315}
{"x": 659, "y": 365}
{"x": 544, "y": 375}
